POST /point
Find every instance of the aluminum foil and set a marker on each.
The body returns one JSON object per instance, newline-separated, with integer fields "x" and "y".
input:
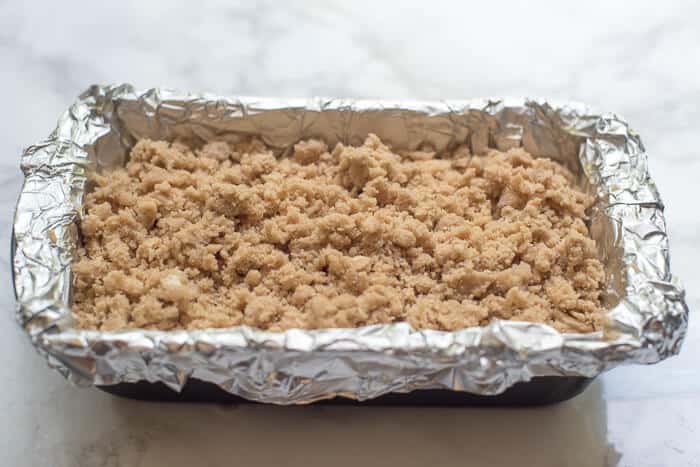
{"x": 647, "y": 316}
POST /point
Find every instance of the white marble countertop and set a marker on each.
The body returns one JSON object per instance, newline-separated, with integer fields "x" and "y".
{"x": 639, "y": 59}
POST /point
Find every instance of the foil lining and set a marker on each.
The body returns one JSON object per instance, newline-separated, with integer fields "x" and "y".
{"x": 647, "y": 316}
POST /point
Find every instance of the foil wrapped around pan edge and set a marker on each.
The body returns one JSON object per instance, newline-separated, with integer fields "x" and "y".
{"x": 647, "y": 317}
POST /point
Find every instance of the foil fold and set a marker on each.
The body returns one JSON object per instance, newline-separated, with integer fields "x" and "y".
{"x": 647, "y": 317}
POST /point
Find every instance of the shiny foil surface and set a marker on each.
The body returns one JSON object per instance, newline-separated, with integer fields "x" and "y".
{"x": 647, "y": 316}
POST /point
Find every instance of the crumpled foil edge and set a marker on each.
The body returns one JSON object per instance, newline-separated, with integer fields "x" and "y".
{"x": 647, "y": 324}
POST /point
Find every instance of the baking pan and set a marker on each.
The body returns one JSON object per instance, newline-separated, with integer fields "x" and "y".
{"x": 542, "y": 390}
{"x": 504, "y": 362}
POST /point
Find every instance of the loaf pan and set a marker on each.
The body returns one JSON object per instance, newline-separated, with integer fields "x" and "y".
{"x": 505, "y": 362}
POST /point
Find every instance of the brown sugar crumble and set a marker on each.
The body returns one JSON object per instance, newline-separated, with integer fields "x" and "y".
{"x": 228, "y": 234}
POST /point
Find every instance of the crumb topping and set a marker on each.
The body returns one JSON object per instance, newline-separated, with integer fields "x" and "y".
{"x": 228, "y": 234}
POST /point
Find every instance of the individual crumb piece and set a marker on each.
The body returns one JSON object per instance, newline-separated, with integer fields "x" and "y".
{"x": 147, "y": 210}
{"x": 308, "y": 152}
{"x": 228, "y": 234}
